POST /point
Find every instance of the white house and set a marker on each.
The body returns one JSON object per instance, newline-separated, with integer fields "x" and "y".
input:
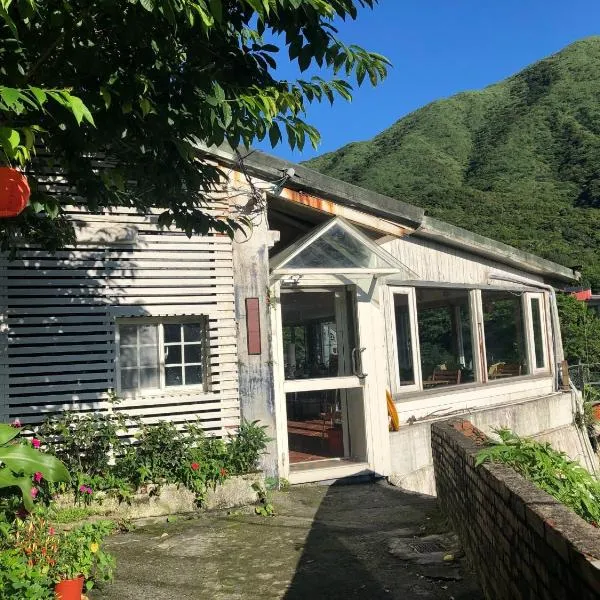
{"x": 337, "y": 296}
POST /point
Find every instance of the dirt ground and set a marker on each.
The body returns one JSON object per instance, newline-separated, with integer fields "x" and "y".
{"x": 328, "y": 542}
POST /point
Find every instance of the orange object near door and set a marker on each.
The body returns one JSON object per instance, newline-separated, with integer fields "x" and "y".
{"x": 392, "y": 412}
{"x": 14, "y": 192}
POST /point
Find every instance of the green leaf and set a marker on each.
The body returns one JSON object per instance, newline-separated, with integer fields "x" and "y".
{"x": 216, "y": 9}
{"x": 106, "y": 95}
{"x": 274, "y": 134}
{"x": 9, "y": 138}
{"x": 22, "y": 458}
{"x": 39, "y": 95}
{"x": 218, "y": 92}
{"x": 147, "y": 4}
{"x": 227, "y": 115}
{"x": 9, "y": 479}
{"x": 10, "y": 96}
{"x": 7, "y": 433}
{"x": 80, "y": 110}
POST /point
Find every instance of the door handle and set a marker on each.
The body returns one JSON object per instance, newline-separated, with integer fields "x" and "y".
{"x": 357, "y": 362}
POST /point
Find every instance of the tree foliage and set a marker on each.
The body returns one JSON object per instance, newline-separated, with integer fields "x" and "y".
{"x": 142, "y": 82}
{"x": 580, "y": 328}
{"x": 517, "y": 161}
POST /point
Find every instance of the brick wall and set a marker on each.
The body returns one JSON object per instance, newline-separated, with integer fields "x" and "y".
{"x": 521, "y": 541}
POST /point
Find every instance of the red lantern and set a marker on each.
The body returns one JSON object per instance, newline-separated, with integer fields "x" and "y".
{"x": 14, "y": 192}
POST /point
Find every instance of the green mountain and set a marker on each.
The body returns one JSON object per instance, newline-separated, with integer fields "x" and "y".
{"x": 518, "y": 161}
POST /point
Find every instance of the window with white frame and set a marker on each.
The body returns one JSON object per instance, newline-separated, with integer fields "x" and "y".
{"x": 538, "y": 343}
{"x": 155, "y": 355}
{"x": 437, "y": 338}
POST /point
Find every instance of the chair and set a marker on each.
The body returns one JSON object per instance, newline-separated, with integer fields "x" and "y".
{"x": 444, "y": 377}
{"x": 510, "y": 369}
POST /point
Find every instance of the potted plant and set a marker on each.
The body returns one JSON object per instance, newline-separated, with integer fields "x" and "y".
{"x": 81, "y": 560}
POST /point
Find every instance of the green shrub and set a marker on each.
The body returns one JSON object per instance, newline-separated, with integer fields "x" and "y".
{"x": 22, "y": 579}
{"x": 85, "y": 442}
{"x": 246, "y": 448}
{"x": 550, "y": 470}
{"x": 160, "y": 454}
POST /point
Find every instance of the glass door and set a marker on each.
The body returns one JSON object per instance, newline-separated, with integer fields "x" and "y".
{"x": 322, "y": 374}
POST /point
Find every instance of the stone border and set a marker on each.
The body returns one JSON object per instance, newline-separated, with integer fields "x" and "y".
{"x": 171, "y": 499}
{"x": 522, "y": 542}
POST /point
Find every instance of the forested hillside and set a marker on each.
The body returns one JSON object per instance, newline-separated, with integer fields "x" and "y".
{"x": 518, "y": 161}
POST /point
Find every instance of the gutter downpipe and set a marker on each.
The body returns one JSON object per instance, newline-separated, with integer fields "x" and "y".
{"x": 576, "y": 399}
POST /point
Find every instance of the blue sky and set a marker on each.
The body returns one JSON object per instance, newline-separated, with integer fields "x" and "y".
{"x": 439, "y": 48}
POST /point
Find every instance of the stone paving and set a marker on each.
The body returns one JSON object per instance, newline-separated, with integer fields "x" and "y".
{"x": 330, "y": 542}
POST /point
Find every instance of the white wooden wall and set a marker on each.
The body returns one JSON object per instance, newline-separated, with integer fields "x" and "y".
{"x": 432, "y": 261}
{"x": 60, "y": 310}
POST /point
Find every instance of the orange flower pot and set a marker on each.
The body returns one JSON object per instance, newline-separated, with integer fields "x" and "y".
{"x": 596, "y": 411}
{"x": 69, "y": 589}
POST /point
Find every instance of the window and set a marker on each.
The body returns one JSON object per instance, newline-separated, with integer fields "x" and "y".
{"x": 317, "y": 333}
{"x": 504, "y": 334}
{"x": 159, "y": 355}
{"x": 539, "y": 358}
{"x": 404, "y": 339}
{"x": 444, "y": 322}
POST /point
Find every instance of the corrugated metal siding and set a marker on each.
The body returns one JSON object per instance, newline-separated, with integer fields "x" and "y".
{"x": 60, "y": 322}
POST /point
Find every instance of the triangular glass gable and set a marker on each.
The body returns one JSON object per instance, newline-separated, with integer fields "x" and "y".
{"x": 336, "y": 247}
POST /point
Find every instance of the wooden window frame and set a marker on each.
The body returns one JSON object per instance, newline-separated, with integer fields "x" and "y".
{"x": 163, "y": 389}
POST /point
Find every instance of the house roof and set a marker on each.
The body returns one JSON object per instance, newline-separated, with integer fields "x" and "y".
{"x": 272, "y": 168}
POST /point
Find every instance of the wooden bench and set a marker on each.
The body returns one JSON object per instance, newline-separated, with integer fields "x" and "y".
{"x": 443, "y": 377}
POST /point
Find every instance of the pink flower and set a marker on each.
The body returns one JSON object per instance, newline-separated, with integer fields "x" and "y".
{"x": 34, "y": 492}
{"x": 195, "y": 466}
{"x": 16, "y": 423}
{"x": 36, "y": 443}
{"x": 51, "y": 531}
{"x": 89, "y": 490}
{"x": 37, "y": 477}
{"x": 82, "y": 488}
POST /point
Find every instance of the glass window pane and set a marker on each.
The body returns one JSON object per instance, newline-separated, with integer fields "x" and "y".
{"x": 129, "y": 379}
{"x": 310, "y": 341}
{"x": 172, "y": 332}
{"x": 538, "y": 338}
{"x": 317, "y": 412}
{"x": 193, "y": 353}
{"x": 127, "y": 335}
{"x": 128, "y": 357}
{"x": 173, "y": 355}
{"x": 193, "y": 375}
{"x": 173, "y": 376}
{"x": 148, "y": 335}
{"x": 337, "y": 248}
{"x": 149, "y": 356}
{"x": 504, "y": 335}
{"x": 192, "y": 332}
{"x": 404, "y": 340}
{"x": 149, "y": 378}
{"x": 444, "y": 322}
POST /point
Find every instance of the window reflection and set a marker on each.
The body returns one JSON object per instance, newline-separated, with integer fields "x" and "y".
{"x": 504, "y": 334}
{"x": 444, "y": 322}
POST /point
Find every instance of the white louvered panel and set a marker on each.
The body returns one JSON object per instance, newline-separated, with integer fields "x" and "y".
{"x": 61, "y": 310}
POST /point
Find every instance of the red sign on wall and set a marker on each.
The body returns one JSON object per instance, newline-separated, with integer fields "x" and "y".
{"x": 253, "y": 325}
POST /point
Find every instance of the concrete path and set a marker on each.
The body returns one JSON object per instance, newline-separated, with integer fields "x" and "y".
{"x": 325, "y": 542}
